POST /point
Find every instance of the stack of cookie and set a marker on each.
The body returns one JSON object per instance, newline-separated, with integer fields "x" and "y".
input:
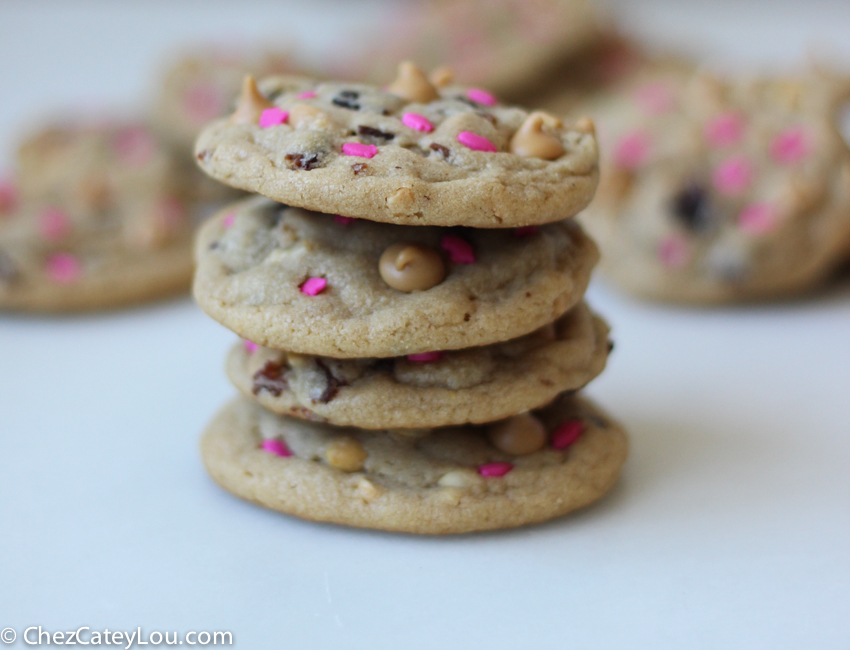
{"x": 408, "y": 289}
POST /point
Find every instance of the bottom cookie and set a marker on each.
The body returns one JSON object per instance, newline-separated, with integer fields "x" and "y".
{"x": 448, "y": 480}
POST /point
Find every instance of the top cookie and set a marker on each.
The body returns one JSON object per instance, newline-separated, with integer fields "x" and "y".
{"x": 412, "y": 154}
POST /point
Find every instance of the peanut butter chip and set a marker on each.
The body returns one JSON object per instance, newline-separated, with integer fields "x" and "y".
{"x": 412, "y": 84}
{"x": 409, "y": 267}
{"x": 301, "y": 112}
{"x": 459, "y": 478}
{"x": 442, "y": 76}
{"x": 367, "y": 490}
{"x": 402, "y": 199}
{"x": 532, "y": 142}
{"x": 251, "y": 103}
{"x": 585, "y": 125}
{"x": 346, "y": 454}
{"x": 519, "y": 435}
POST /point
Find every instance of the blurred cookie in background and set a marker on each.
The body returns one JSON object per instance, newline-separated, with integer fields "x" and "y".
{"x": 97, "y": 217}
{"x": 196, "y": 88}
{"x": 507, "y": 46}
{"x": 597, "y": 71}
{"x": 720, "y": 189}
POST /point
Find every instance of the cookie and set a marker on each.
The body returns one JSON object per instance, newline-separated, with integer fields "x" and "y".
{"x": 92, "y": 167}
{"x": 93, "y": 279}
{"x": 98, "y": 220}
{"x": 453, "y": 480}
{"x": 321, "y": 284}
{"x": 474, "y": 385}
{"x": 412, "y": 154}
{"x": 509, "y": 46}
{"x": 596, "y": 70}
{"x": 722, "y": 190}
{"x": 200, "y": 86}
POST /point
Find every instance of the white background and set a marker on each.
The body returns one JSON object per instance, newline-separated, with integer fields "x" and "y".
{"x": 729, "y": 529}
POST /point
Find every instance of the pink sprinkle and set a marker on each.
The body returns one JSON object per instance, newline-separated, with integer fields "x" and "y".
{"x": 566, "y": 434}
{"x": 724, "y": 130}
{"x": 344, "y": 220}
{"x": 632, "y": 150}
{"x": 63, "y": 268}
{"x": 203, "y": 102}
{"x": 359, "y": 149}
{"x": 757, "y": 218}
{"x": 494, "y": 470}
{"x": 733, "y": 176}
{"x": 308, "y": 94}
{"x": 228, "y": 220}
{"x": 417, "y": 122}
{"x": 459, "y": 250}
{"x": 276, "y": 447}
{"x": 655, "y": 98}
{"x": 53, "y": 224}
{"x": 8, "y": 197}
{"x": 134, "y": 145}
{"x": 482, "y": 97}
{"x": 250, "y": 346}
{"x": 525, "y": 231}
{"x": 790, "y": 146}
{"x": 425, "y": 357}
{"x": 674, "y": 252}
{"x": 475, "y": 142}
{"x": 273, "y": 117}
{"x": 314, "y": 286}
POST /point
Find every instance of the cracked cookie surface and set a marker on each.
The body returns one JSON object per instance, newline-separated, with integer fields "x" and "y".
{"x": 258, "y": 263}
{"x": 451, "y": 480}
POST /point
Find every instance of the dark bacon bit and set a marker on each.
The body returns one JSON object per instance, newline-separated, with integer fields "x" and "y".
{"x": 8, "y": 270}
{"x": 334, "y": 384}
{"x": 270, "y": 377}
{"x": 303, "y": 161}
{"x": 690, "y": 207}
{"x": 346, "y": 99}
{"x": 359, "y": 168}
{"x": 440, "y": 148}
{"x": 369, "y": 132}
{"x": 203, "y": 155}
{"x": 487, "y": 116}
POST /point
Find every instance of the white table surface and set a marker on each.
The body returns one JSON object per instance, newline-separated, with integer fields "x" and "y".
{"x": 729, "y": 529}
